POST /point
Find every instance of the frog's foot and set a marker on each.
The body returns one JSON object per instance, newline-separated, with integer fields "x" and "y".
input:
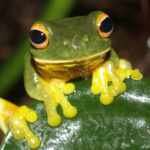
{"x": 108, "y": 80}
{"x": 6, "y": 110}
{"x": 17, "y": 123}
{"x": 57, "y": 90}
{"x": 125, "y": 70}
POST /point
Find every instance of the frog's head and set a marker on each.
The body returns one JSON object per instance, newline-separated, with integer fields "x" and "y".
{"x": 71, "y": 38}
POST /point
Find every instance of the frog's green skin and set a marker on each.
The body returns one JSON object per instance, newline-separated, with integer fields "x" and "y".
{"x": 72, "y": 38}
{"x": 75, "y": 49}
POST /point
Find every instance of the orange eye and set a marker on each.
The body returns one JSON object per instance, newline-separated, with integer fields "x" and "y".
{"x": 104, "y": 25}
{"x": 39, "y": 36}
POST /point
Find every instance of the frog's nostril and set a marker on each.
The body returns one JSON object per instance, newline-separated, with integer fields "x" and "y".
{"x": 85, "y": 38}
{"x": 65, "y": 42}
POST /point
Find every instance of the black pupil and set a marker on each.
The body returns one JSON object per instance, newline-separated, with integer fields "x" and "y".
{"x": 37, "y": 36}
{"x": 106, "y": 25}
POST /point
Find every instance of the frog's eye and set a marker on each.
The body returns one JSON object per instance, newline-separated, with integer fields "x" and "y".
{"x": 104, "y": 25}
{"x": 39, "y": 36}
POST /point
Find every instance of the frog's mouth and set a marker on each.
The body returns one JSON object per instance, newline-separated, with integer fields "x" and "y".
{"x": 74, "y": 60}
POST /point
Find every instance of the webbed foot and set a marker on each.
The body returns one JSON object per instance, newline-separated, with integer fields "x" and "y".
{"x": 57, "y": 89}
{"x": 108, "y": 79}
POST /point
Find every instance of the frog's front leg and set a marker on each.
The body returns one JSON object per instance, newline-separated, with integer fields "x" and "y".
{"x": 50, "y": 92}
{"x": 57, "y": 89}
{"x": 108, "y": 78}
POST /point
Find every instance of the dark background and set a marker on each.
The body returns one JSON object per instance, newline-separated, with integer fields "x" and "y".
{"x": 130, "y": 39}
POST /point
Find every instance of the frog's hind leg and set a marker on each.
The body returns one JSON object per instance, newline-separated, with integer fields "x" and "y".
{"x": 15, "y": 118}
{"x": 57, "y": 89}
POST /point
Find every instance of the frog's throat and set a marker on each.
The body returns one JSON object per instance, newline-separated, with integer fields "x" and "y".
{"x": 69, "y": 69}
{"x": 70, "y": 61}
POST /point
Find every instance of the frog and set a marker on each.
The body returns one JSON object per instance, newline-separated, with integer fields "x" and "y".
{"x": 61, "y": 51}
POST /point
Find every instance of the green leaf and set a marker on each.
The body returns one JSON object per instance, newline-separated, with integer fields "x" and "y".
{"x": 125, "y": 124}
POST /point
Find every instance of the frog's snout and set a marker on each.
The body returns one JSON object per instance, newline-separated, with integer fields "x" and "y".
{"x": 85, "y": 38}
{"x": 79, "y": 41}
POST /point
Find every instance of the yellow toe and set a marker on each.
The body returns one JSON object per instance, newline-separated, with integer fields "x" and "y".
{"x": 70, "y": 112}
{"x": 68, "y": 88}
{"x": 54, "y": 120}
{"x": 136, "y": 75}
{"x": 106, "y": 99}
{"x": 33, "y": 142}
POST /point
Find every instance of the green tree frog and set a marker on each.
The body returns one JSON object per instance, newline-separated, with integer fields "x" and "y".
{"x": 61, "y": 51}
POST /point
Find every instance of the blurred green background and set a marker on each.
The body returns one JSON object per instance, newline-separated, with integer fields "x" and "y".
{"x": 131, "y": 36}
